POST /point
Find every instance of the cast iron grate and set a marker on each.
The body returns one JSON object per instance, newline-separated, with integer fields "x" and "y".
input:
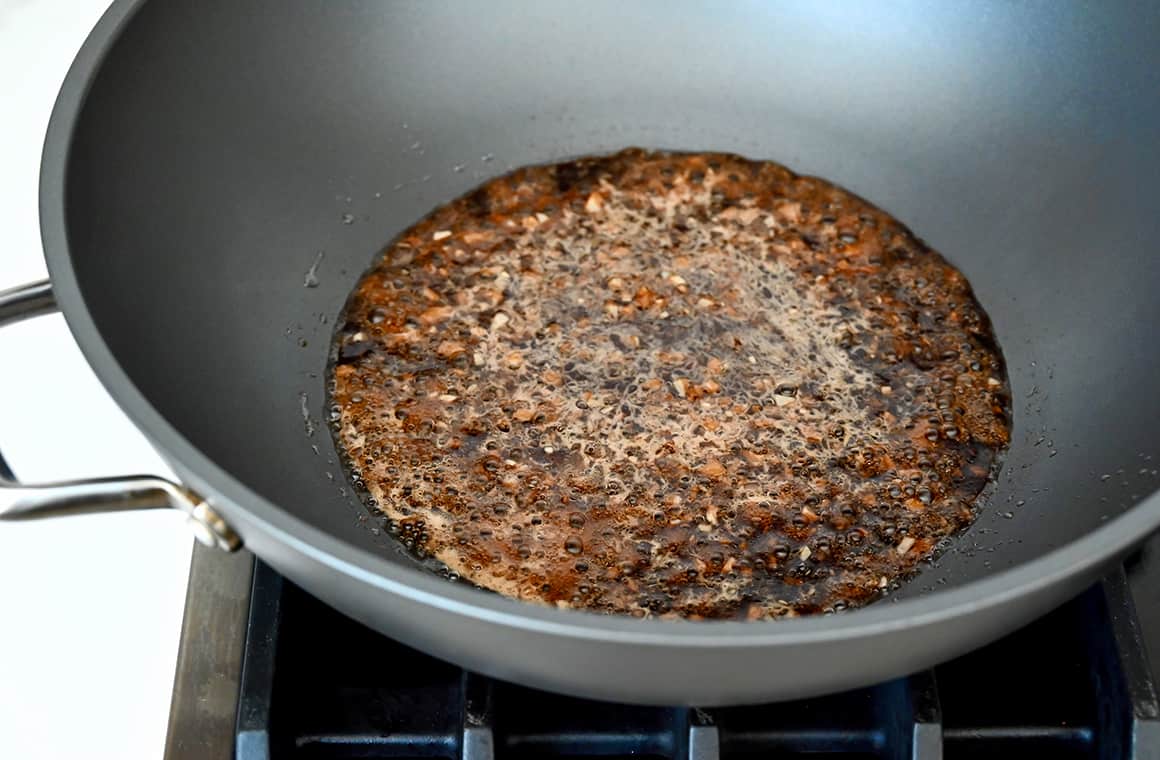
{"x": 316, "y": 685}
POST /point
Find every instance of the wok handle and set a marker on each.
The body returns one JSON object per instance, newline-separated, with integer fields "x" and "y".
{"x": 19, "y": 501}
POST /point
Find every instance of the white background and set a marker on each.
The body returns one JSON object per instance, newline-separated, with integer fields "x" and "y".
{"x": 90, "y": 608}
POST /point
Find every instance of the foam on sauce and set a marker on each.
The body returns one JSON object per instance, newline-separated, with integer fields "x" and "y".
{"x": 669, "y": 384}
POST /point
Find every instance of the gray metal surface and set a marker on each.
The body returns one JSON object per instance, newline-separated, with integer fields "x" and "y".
{"x": 203, "y": 712}
{"x": 23, "y": 501}
{"x": 26, "y": 301}
{"x": 204, "y": 156}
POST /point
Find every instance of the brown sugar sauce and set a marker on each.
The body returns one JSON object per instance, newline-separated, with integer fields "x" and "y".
{"x": 669, "y": 384}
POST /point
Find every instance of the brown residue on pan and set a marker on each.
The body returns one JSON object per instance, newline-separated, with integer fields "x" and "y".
{"x": 669, "y": 384}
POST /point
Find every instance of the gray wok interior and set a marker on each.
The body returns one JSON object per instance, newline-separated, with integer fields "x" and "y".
{"x": 222, "y": 146}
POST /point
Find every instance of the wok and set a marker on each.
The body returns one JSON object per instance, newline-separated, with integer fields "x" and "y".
{"x": 207, "y": 159}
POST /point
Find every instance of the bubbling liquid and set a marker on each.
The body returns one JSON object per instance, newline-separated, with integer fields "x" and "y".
{"x": 669, "y": 384}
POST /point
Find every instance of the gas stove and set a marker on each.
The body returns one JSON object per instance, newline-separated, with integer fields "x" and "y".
{"x": 267, "y": 672}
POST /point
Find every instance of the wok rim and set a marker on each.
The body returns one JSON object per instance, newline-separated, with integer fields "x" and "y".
{"x": 997, "y": 589}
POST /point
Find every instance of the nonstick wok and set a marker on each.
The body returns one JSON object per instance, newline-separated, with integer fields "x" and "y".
{"x": 217, "y": 175}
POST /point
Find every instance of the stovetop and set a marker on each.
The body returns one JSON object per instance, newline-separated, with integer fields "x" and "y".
{"x": 314, "y": 684}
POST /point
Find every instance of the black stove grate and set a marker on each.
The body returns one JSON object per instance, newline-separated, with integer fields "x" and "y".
{"x": 1075, "y": 684}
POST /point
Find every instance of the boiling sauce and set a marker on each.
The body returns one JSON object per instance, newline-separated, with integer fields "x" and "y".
{"x": 669, "y": 384}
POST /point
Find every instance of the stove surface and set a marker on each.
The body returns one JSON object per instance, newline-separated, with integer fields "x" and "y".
{"x": 314, "y": 684}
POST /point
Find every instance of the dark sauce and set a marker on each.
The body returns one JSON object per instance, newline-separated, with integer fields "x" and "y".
{"x": 669, "y": 384}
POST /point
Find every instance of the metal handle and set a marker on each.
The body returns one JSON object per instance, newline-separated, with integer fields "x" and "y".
{"x": 81, "y": 497}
